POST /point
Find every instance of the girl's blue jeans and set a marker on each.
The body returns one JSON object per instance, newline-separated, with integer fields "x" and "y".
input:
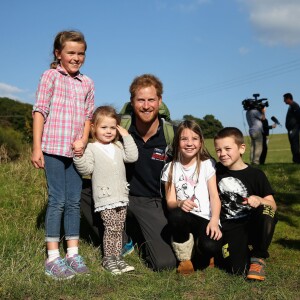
{"x": 64, "y": 192}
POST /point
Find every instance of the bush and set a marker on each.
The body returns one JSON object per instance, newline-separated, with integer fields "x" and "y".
{"x": 16, "y": 115}
{"x": 10, "y": 144}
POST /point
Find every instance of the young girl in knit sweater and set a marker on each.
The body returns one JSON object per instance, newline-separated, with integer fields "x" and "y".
{"x": 104, "y": 159}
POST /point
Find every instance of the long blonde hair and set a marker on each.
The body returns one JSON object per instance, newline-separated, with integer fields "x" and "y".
{"x": 202, "y": 154}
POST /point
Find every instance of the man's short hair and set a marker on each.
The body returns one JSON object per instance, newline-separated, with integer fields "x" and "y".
{"x": 288, "y": 96}
{"x": 233, "y": 132}
{"x": 143, "y": 81}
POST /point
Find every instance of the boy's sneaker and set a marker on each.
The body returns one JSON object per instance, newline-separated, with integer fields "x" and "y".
{"x": 128, "y": 248}
{"x": 109, "y": 263}
{"x": 123, "y": 266}
{"x": 58, "y": 270}
{"x": 257, "y": 269}
{"x": 77, "y": 265}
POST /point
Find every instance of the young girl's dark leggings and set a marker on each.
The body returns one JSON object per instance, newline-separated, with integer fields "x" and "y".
{"x": 182, "y": 224}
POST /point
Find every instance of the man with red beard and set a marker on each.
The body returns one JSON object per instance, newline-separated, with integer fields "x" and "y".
{"x": 146, "y": 221}
{"x": 146, "y": 204}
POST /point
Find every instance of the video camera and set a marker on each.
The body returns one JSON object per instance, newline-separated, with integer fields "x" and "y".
{"x": 255, "y": 103}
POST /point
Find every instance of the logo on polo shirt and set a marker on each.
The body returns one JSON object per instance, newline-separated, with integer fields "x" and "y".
{"x": 158, "y": 154}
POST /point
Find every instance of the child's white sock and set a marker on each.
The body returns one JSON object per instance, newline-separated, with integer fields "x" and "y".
{"x": 72, "y": 251}
{"x": 53, "y": 254}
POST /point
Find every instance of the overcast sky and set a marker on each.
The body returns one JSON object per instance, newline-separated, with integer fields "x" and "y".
{"x": 210, "y": 54}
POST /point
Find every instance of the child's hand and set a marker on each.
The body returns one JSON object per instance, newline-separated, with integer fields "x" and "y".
{"x": 253, "y": 201}
{"x": 78, "y": 147}
{"x": 187, "y": 205}
{"x": 37, "y": 159}
{"x": 122, "y": 131}
{"x": 213, "y": 230}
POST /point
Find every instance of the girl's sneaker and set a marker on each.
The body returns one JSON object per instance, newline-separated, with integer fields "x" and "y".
{"x": 58, "y": 270}
{"x": 77, "y": 265}
{"x": 123, "y": 266}
{"x": 109, "y": 264}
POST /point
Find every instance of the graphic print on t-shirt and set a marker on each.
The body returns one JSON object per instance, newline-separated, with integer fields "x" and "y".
{"x": 185, "y": 189}
{"x": 232, "y": 191}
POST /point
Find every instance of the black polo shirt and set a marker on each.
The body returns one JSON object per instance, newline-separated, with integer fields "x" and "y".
{"x": 144, "y": 175}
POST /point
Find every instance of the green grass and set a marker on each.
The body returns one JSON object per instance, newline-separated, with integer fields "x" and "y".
{"x": 22, "y": 250}
{"x": 278, "y": 149}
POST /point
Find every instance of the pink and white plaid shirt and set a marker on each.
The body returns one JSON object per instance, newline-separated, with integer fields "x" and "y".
{"x": 66, "y": 103}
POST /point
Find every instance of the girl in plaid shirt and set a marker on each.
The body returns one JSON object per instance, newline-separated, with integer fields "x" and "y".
{"x": 61, "y": 125}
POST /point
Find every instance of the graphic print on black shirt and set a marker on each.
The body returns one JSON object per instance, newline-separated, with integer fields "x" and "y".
{"x": 159, "y": 154}
{"x": 233, "y": 191}
{"x": 234, "y": 185}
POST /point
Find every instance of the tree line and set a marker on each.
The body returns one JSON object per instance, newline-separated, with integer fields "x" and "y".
{"x": 16, "y": 126}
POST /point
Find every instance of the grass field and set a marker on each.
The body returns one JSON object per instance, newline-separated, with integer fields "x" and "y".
{"x": 22, "y": 250}
{"x": 278, "y": 149}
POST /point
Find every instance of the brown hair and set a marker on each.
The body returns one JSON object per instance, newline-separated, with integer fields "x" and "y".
{"x": 233, "y": 132}
{"x": 60, "y": 41}
{"x": 202, "y": 155}
{"x": 99, "y": 114}
{"x": 143, "y": 81}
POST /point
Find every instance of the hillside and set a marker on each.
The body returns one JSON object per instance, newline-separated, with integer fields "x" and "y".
{"x": 17, "y": 116}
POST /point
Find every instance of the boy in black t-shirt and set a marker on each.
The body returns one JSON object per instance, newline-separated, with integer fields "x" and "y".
{"x": 248, "y": 208}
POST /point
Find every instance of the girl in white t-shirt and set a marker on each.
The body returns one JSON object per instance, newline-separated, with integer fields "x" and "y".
{"x": 192, "y": 198}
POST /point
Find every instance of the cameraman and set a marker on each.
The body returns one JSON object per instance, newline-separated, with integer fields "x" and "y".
{"x": 255, "y": 116}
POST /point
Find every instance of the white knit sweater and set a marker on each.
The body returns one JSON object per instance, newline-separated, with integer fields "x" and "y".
{"x": 109, "y": 182}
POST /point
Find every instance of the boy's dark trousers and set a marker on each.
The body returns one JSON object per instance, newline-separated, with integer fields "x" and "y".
{"x": 245, "y": 238}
